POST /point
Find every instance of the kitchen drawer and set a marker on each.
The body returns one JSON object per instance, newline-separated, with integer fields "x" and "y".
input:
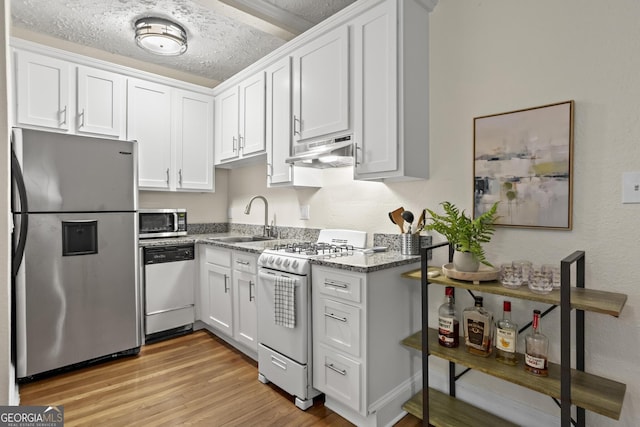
{"x": 246, "y": 263}
{"x": 218, "y": 256}
{"x": 286, "y": 373}
{"x": 337, "y": 376}
{"x": 338, "y": 325}
{"x": 338, "y": 284}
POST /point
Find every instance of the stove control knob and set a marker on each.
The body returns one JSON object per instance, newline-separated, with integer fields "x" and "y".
{"x": 285, "y": 263}
{"x": 271, "y": 259}
{"x": 294, "y": 264}
{"x": 278, "y": 261}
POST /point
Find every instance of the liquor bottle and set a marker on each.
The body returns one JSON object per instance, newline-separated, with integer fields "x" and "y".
{"x": 448, "y": 325}
{"x": 478, "y": 329}
{"x": 537, "y": 349}
{"x": 506, "y": 337}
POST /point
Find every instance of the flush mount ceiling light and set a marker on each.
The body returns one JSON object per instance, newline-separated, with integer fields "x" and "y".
{"x": 161, "y": 36}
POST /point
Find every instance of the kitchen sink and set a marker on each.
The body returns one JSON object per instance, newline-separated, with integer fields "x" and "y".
{"x": 240, "y": 239}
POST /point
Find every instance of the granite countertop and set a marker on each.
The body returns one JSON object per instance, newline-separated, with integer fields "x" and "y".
{"x": 358, "y": 261}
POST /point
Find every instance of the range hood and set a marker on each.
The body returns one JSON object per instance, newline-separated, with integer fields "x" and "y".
{"x": 328, "y": 153}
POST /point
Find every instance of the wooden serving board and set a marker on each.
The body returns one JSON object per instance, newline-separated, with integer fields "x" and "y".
{"x": 484, "y": 274}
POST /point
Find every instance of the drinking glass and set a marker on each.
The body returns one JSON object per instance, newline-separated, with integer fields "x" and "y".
{"x": 541, "y": 279}
{"x": 555, "y": 271}
{"x": 510, "y": 275}
{"x": 525, "y": 267}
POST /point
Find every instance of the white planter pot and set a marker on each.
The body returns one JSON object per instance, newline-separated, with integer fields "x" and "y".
{"x": 465, "y": 261}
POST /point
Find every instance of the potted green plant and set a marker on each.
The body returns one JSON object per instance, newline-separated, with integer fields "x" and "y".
{"x": 465, "y": 234}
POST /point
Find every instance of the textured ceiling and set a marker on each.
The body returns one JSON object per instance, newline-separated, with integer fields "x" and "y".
{"x": 219, "y": 44}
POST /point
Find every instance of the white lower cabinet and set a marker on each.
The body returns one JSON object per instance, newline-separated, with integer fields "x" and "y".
{"x": 358, "y": 362}
{"x": 338, "y": 376}
{"x": 227, "y": 303}
{"x": 217, "y": 292}
{"x": 244, "y": 301}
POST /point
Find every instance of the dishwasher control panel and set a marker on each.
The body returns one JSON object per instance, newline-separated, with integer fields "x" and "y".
{"x": 161, "y": 254}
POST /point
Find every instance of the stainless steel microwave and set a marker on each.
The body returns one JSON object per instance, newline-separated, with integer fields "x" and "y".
{"x": 162, "y": 223}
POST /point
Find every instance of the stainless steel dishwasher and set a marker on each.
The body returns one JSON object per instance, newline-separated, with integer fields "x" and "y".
{"x": 169, "y": 282}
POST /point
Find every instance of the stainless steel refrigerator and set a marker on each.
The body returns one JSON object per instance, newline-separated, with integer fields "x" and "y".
{"x": 75, "y": 261}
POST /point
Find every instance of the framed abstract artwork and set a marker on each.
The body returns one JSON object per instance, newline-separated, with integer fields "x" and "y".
{"x": 524, "y": 160}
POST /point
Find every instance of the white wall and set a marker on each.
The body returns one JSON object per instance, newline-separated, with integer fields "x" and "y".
{"x": 7, "y": 389}
{"x": 201, "y": 207}
{"x": 500, "y": 55}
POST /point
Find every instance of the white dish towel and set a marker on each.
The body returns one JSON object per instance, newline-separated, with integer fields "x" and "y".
{"x": 285, "y": 302}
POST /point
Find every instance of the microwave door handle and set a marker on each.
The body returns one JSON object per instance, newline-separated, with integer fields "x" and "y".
{"x": 175, "y": 221}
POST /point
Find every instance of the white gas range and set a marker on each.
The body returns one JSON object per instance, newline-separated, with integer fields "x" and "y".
{"x": 284, "y": 309}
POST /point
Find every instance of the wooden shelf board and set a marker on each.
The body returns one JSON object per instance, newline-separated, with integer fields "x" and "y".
{"x": 447, "y": 411}
{"x": 592, "y": 300}
{"x": 591, "y": 392}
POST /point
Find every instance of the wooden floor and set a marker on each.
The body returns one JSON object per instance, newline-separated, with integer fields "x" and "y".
{"x": 196, "y": 380}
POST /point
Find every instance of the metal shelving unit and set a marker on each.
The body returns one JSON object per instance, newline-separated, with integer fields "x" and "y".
{"x": 565, "y": 385}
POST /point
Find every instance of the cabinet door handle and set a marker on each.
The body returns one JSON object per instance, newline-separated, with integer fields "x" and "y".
{"x": 329, "y": 282}
{"x": 356, "y": 154}
{"x": 180, "y": 177}
{"x": 296, "y": 120}
{"x": 226, "y": 287}
{"x": 240, "y": 142}
{"x": 82, "y": 118}
{"x": 167, "y": 176}
{"x": 333, "y": 368}
{"x": 333, "y": 316}
{"x": 251, "y": 285}
{"x": 234, "y": 140}
{"x": 269, "y": 170}
{"x": 64, "y": 115}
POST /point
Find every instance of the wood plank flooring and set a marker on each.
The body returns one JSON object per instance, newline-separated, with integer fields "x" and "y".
{"x": 195, "y": 380}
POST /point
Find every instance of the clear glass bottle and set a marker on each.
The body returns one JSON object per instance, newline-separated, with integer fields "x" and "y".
{"x": 506, "y": 337}
{"x": 448, "y": 325}
{"x": 537, "y": 349}
{"x": 478, "y": 329}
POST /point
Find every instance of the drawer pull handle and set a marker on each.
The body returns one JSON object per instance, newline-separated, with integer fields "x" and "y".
{"x": 333, "y": 316}
{"x": 329, "y": 282}
{"x": 333, "y": 368}
{"x": 279, "y": 363}
{"x": 242, "y": 262}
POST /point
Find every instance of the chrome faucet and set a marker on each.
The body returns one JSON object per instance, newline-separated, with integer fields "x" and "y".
{"x": 247, "y": 210}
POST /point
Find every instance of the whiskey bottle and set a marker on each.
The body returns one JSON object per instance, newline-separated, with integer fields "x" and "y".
{"x": 478, "y": 329}
{"x": 448, "y": 325}
{"x": 506, "y": 337}
{"x": 537, "y": 349}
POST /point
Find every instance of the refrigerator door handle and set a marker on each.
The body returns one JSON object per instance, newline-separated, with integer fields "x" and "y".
{"x": 18, "y": 254}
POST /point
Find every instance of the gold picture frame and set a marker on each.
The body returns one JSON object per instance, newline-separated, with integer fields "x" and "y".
{"x": 524, "y": 160}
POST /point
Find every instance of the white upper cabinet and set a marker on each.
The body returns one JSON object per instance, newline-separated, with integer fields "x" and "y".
{"x": 101, "y": 102}
{"x": 174, "y": 130}
{"x": 43, "y": 91}
{"x": 55, "y": 94}
{"x": 149, "y": 123}
{"x": 240, "y": 120}
{"x": 279, "y": 132}
{"x": 252, "y": 117}
{"x": 193, "y": 136}
{"x": 391, "y": 93}
{"x": 227, "y": 125}
{"x": 321, "y": 86}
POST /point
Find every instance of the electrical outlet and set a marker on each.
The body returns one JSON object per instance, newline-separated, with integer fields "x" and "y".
{"x": 304, "y": 211}
{"x": 631, "y": 187}
{"x": 229, "y": 213}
